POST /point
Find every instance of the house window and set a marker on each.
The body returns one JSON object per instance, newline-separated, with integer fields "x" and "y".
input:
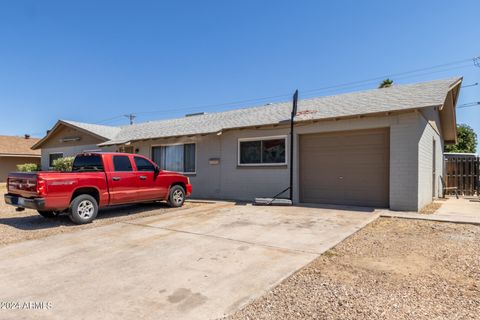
{"x": 262, "y": 151}
{"x": 178, "y": 157}
{"x": 52, "y": 157}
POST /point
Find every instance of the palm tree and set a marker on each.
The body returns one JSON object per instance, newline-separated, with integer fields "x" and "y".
{"x": 385, "y": 83}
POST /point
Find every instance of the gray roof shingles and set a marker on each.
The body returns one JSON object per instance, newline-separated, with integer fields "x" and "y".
{"x": 395, "y": 98}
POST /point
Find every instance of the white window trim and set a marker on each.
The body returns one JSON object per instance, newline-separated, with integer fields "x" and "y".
{"x": 263, "y": 164}
{"x": 176, "y": 144}
{"x": 50, "y": 153}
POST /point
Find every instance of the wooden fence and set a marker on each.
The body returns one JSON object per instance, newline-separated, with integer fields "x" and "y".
{"x": 463, "y": 173}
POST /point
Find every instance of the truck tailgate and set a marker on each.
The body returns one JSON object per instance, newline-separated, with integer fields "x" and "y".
{"x": 22, "y": 184}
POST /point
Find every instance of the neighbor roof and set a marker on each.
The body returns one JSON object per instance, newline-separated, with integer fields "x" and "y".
{"x": 102, "y": 132}
{"x": 395, "y": 98}
{"x": 106, "y": 132}
{"x": 18, "y": 146}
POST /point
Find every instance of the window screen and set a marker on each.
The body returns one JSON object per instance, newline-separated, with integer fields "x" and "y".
{"x": 266, "y": 151}
{"x": 122, "y": 163}
{"x": 54, "y": 156}
{"x": 179, "y": 158}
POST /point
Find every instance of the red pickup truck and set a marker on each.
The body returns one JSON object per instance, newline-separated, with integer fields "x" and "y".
{"x": 97, "y": 180}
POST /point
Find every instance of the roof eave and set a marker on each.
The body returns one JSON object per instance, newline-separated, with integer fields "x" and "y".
{"x": 448, "y": 115}
{"x": 55, "y": 127}
{"x": 20, "y": 155}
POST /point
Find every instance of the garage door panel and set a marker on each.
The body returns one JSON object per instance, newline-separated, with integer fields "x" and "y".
{"x": 345, "y": 168}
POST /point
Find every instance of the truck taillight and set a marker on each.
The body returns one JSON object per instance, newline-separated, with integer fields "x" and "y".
{"x": 41, "y": 187}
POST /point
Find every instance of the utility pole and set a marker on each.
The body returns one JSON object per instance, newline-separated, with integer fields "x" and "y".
{"x": 130, "y": 117}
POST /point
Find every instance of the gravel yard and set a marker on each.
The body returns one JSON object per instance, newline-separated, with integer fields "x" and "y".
{"x": 26, "y": 225}
{"x": 392, "y": 269}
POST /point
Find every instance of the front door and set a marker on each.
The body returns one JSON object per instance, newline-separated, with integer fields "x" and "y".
{"x": 149, "y": 182}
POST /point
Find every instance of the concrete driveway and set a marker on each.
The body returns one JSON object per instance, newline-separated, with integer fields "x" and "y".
{"x": 199, "y": 263}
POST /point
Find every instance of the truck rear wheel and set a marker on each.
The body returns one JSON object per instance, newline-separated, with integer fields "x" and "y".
{"x": 83, "y": 209}
{"x": 176, "y": 196}
{"x": 47, "y": 214}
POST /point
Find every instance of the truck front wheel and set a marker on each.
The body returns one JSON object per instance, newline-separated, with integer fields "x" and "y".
{"x": 176, "y": 196}
{"x": 83, "y": 209}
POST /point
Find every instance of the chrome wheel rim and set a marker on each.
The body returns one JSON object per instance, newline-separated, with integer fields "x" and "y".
{"x": 85, "y": 209}
{"x": 178, "y": 196}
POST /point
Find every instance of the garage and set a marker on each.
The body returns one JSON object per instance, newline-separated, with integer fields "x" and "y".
{"x": 347, "y": 168}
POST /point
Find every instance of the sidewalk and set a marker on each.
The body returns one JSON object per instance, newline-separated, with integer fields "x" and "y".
{"x": 452, "y": 210}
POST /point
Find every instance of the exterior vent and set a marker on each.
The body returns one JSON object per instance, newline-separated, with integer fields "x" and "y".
{"x": 195, "y": 114}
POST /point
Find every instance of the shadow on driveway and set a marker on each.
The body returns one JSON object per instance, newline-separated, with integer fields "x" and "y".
{"x": 37, "y": 222}
{"x": 336, "y": 207}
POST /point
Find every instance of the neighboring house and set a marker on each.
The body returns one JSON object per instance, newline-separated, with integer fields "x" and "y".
{"x": 69, "y": 138}
{"x": 14, "y": 151}
{"x": 380, "y": 147}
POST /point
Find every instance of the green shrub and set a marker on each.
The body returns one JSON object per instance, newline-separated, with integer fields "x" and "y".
{"x": 28, "y": 167}
{"x": 63, "y": 164}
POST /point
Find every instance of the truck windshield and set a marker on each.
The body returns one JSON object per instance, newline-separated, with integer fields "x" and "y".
{"x": 87, "y": 163}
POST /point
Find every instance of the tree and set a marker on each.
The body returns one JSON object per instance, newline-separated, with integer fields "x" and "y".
{"x": 467, "y": 140}
{"x": 387, "y": 83}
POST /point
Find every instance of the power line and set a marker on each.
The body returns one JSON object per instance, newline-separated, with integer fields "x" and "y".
{"x": 394, "y": 75}
{"x": 468, "y": 105}
{"x": 470, "y": 85}
{"x": 402, "y": 75}
{"x": 109, "y": 119}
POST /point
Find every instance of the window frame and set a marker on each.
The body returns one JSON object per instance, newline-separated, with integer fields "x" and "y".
{"x": 50, "y": 164}
{"x": 276, "y": 164}
{"x": 143, "y": 158}
{"x": 176, "y": 144}
{"x": 123, "y": 156}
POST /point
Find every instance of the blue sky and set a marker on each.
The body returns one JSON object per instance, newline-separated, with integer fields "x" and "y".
{"x": 97, "y": 60}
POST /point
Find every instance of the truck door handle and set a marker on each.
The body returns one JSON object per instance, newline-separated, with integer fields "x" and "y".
{"x": 143, "y": 178}
{"x": 116, "y": 178}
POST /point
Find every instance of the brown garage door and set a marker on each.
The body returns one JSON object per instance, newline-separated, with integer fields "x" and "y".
{"x": 350, "y": 168}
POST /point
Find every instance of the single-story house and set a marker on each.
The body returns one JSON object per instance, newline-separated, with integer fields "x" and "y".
{"x": 16, "y": 150}
{"x": 380, "y": 148}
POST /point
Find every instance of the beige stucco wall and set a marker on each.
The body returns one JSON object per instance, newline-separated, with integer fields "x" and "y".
{"x": 71, "y": 148}
{"x": 9, "y": 164}
{"x": 54, "y": 141}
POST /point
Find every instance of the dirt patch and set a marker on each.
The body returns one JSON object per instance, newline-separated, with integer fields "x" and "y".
{"x": 27, "y": 225}
{"x": 431, "y": 208}
{"x": 392, "y": 269}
